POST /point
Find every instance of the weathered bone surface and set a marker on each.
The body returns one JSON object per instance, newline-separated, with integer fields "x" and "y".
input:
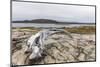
{"x": 57, "y": 48}
{"x": 35, "y": 42}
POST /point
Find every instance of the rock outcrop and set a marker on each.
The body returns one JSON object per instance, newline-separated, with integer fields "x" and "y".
{"x": 59, "y": 48}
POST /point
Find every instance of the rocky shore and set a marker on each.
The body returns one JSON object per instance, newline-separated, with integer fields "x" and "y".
{"x": 59, "y": 48}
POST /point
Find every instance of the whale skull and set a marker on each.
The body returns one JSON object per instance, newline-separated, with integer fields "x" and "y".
{"x": 35, "y": 42}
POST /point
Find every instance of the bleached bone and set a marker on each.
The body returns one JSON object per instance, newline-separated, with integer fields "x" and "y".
{"x": 35, "y": 42}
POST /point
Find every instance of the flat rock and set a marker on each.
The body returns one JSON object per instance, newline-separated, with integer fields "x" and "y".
{"x": 60, "y": 48}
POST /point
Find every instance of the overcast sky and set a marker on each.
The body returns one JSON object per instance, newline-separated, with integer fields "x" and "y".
{"x": 71, "y": 13}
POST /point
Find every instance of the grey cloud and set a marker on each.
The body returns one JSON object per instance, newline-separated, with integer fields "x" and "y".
{"x": 28, "y": 11}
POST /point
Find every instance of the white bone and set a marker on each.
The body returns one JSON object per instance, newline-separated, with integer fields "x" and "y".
{"x": 35, "y": 42}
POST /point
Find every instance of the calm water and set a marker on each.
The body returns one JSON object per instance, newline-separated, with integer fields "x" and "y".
{"x": 45, "y": 25}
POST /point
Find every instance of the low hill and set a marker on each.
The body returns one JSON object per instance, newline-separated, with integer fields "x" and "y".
{"x": 48, "y": 21}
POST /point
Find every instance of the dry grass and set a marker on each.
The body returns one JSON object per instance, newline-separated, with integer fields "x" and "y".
{"x": 30, "y": 29}
{"x": 82, "y": 29}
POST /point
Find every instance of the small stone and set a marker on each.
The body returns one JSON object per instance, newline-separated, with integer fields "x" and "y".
{"x": 81, "y": 57}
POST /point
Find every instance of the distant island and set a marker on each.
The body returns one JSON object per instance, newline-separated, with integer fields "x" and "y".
{"x": 48, "y": 21}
